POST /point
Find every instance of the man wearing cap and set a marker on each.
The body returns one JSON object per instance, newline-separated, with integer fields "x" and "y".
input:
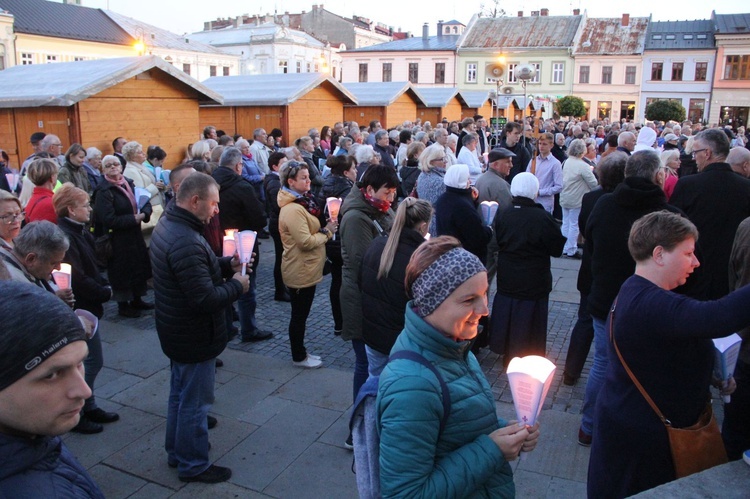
{"x": 670, "y": 142}
{"x": 36, "y": 144}
{"x": 42, "y": 391}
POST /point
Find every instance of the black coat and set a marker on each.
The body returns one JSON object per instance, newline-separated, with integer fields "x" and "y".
{"x": 129, "y": 268}
{"x": 334, "y": 186}
{"x": 607, "y": 232}
{"x": 521, "y": 159}
{"x": 385, "y": 299}
{"x": 409, "y": 175}
{"x": 527, "y": 236}
{"x": 385, "y": 155}
{"x": 587, "y": 205}
{"x": 456, "y": 215}
{"x": 716, "y": 200}
{"x": 190, "y": 293}
{"x": 272, "y": 185}
{"x": 91, "y": 290}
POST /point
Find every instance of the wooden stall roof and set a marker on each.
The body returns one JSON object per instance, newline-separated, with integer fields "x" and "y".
{"x": 273, "y": 89}
{"x": 438, "y": 96}
{"x": 474, "y": 98}
{"x": 66, "y": 83}
{"x": 383, "y": 94}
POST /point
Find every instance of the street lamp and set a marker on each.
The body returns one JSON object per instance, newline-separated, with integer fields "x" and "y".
{"x": 525, "y": 73}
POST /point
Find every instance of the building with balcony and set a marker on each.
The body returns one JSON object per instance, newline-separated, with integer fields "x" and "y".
{"x": 730, "y": 102}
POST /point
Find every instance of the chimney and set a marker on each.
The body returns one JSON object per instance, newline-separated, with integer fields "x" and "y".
{"x": 576, "y": 12}
{"x": 520, "y": 13}
{"x": 208, "y": 26}
{"x": 237, "y": 22}
{"x": 545, "y": 12}
{"x": 625, "y": 20}
{"x": 440, "y": 27}
{"x": 425, "y": 31}
{"x": 534, "y": 13}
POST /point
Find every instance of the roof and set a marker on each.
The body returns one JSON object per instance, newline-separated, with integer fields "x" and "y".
{"x": 437, "y": 96}
{"x": 65, "y": 83}
{"x": 608, "y": 36}
{"x": 382, "y": 94}
{"x": 253, "y": 34}
{"x": 732, "y": 24}
{"x": 452, "y": 22}
{"x": 271, "y": 89}
{"x": 474, "y": 98}
{"x": 40, "y": 17}
{"x": 415, "y": 43}
{"x": 522, "y": 32}
{"x": 154, "y": 37}
{"x": 522, "y": 102}
{"x": 680, "y": 35}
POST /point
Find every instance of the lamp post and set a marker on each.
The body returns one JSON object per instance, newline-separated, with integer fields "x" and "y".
{"x": 525, "y": 73}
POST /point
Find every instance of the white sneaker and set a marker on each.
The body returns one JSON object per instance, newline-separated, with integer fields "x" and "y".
{"x": 314, "y": 357}
{"x": 309, "y": 363}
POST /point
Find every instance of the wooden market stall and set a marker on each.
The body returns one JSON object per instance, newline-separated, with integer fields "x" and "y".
{"x": 391, "y": 103}
{"x": 476, "y": 102}
{"x": 441, "y": 102}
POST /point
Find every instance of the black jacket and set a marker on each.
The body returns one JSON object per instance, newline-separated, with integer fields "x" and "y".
{"x": 587, "y": 205}
{"x": 527, "y": 236}
{"x": 239, "y": 206}
{"x": 385, "y": 299}
{"x": 409, "y": 175}
{"x": 716, "y": 200}
{"x": 520, "y": 161}
{"x": 190, "y": 293}
{"x": 91, "y": 290}
{"x": 607, "y": 232}
{"x": 456, "y": 215}
{"x": 272, "y": 185}
{"x": 334, "y": 186}
{"x": 385, "y": 155}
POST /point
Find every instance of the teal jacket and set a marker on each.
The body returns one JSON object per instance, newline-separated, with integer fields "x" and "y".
{"x": 416, "y": 460}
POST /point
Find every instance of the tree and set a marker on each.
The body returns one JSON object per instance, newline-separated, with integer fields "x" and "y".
{"x": 491, "y": 10}
{"x": 570, "y": 105}
{"x": 665, "y": 110}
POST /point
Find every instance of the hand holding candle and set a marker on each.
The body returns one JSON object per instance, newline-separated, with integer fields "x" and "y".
{"x": 245, "y": 242}
{"x": 62, "y": 276}
{"x": 229, "y": 247}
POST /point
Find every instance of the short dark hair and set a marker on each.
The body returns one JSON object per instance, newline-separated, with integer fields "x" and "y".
{"x": 155, "y": 152}
{"x": 339, "y": 164}
{"x": 660, "y": 228}
{"x": 404, "y": 136}
{"x": 611, "y": 170}
{"x": 195, "y": 185}
{"x": 290, "y": 169}
{"x": 225, "y": 139}
{"x": 207, "y": 131}
{"x": 275, "y": 158}
{"x": 196, "y": 164}
{"x": 114, "y": 142}
{"x": 377, "y": 176}
{"x": 511, "y": 126}
{"x": 276, "y": 133}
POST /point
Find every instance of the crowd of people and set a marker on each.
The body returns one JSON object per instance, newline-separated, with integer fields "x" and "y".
{"x": 403, "y": 221}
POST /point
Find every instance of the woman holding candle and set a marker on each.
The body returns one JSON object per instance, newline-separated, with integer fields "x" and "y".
{"x": 304, "y": 252}
{"x": 469, "y": 455}
{"x": 90, "y": 289}
{"x": 117, "y": 215}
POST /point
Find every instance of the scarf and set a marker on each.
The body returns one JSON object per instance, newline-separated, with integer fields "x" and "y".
{"x": 248, "y": 155}
{"x": 307, "y": 201}
{"x": 378, "y": 204}
{"x": 124, "y": 187}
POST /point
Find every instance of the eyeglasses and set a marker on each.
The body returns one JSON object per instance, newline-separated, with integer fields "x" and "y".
{"x": 110, "y": 165}
{"x": 443, "y": 159}
{"x": 699, "y": 150}
{"x": 13, "y": 218}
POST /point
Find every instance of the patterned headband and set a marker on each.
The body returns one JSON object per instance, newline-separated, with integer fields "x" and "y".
{"x": 442, "y": 278}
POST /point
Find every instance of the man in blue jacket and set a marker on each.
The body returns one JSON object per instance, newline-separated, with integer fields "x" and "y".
{"x": 42, "y": 391}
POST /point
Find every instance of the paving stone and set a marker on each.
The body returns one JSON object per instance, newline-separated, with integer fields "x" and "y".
{"x": 240, "y": 394}
{"x": 320, "y": 387}
{"x": 530, "y": 485}
{"x": 115, "y": 484}
{"x": 148, "y": 395}
{"x": 224, "y": 490}
{"x": 152, "y": 491}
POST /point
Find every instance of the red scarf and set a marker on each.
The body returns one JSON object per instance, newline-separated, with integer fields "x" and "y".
{"x": 307, "y": 200}
{"x": 123, "y": 185}
{"x": 378, "y": 204}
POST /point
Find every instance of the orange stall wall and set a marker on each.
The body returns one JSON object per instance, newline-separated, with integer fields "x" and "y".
{"x": 267, "y": 117}
{"x": 431, "y": 114}
{"x": 403, "y": 109}
{"x": 223, "y": 118}
{"x": 319, "y": 107}
{"x": 365, "y": 114}
{"x": 8, "y": 138}
{"x": 59, "y": 121}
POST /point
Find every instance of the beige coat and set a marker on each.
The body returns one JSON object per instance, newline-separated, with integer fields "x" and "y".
{"x": 304, "y": 244}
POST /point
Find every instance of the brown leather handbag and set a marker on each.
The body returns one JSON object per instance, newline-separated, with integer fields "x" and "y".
{"x": 695, "y": 448}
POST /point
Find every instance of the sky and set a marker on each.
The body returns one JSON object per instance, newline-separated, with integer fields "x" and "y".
{"x": 187, "y": 16}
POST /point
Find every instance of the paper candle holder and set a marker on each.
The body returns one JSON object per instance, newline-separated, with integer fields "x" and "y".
{"x": 62, "y": 276}
{"x": 245, "y": 242}
{"x": 530, "y": 378}
{"x": 333, "y": 205}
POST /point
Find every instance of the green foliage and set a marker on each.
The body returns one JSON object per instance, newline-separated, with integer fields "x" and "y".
{"x": 570, "y": 105}
{"x": 665, "y": 110}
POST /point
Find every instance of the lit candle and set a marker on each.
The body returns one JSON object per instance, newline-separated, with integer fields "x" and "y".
{"x": 62, "y": 276}
{"x": 229, "y": 246}
{"x": 245, "y": 242}
{"x": 333, "y": 204}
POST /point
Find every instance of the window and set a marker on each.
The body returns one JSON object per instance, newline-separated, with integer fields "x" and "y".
{"x": 669, "y": 37}
{"x": 471, "y": 72}
{"x": 308, "y": 67}
{"x": 656, "y": 69}
{"x": 558, "y": 72}
{"x": 76, "y": 59}
{"x": 512, "y": 73}
{"x": 439, "y": 72}
{"x": 317, "y": 67}
{"x": 695, "y": 110}
{"x": 26, "y": 59}
{"x": 2, "y": 62}
{"x": 677, "y": 71}
{"x": 630, "y": 75}
{"x": 51, "y": 58}
{"x": 225, "y": 71}
{"x": 701, "y": 70}
{"x": 414, "y": 72}
{"x": 687, "y": 37}
{"x": 363, "y": 73}
{"x": 656, "y": 37}
{"x": 583, "y": 74}
{"x": 387, "y": 71}
{"x": 212, "y": 70}
{"x": 283, "y": 67}
{"x": 606, "y": 75}
{"x": 538, "y": 73}
{"x": 701, "y": 37}
{"x": 186, "y": 68}
{"x": 299, "y": 66}
{"x": 737, "y": 67}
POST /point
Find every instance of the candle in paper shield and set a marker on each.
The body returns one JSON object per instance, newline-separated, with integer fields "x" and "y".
{"x": 530, "y": 378}
{"x": 333, "y": 204}
{"x": 245, "y": 241}
{"x": 12, "y": 180}
{"x": 165, "y": 176}
{"x": 230, "y": 246}
{"x": 157, "y": 172}
{"x": 62, "y": 276}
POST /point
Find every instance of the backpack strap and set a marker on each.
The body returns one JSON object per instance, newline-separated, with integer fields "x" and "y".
{"x": 415, "y": 357}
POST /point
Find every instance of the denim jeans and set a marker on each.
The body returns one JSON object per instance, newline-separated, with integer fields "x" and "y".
{"x": 360, "y": 366}
{"x": 570, "y": 229}
{"x": 302, "y": 300}
{"x": 92, "y": 365}
{"x": 191, "y": 395}
{"x": 246, "y": 305}
{"x": 376, "y": 361}
{"x": 596, "y": 375}
{"x": 580, "y": 340}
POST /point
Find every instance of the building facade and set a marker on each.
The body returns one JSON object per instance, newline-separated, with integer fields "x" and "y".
{"x": 730, "y": 102}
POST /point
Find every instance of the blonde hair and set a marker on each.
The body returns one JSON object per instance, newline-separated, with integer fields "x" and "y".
{"x": 433, "y": 152}
{"x": 66, "y": 197}
{"x": 41, "y": 171}
{"x": 411, "y": 212}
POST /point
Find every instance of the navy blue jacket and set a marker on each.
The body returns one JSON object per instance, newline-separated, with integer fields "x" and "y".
{"x": 456, "y": 215}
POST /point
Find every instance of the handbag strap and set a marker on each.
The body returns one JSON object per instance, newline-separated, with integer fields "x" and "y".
{"x": 627, "y": 368}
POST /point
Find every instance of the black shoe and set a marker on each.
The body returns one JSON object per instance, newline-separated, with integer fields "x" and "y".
{"x": 141, "y": 305}
{"x": 173, "y": 464}
{"x": 86, "y": 427}
{"x": 569, "y": 379}
{"x": 213, "y": 474}
{"x": 219, "y": 362}
{"x": 99, "y": 415}
{"x": 282, "y": 297}
{"x": 259, "y": 336}
{"x": 125, "y": 310}
{"x": 212, "y": 422}
{"x": 263, "y": 235}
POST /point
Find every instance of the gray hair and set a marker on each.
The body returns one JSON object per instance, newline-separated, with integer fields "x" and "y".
{"x": 365, "y": 154}
{"x": 129, "y": 149}
{"x": 195, "y": 185}
{"x": 42, "y": 238}
{"x": 198, "y": 150}
{"x": 577, "y": 148}
{"x": 242, "y": 143}
{"x": 716, "y": 140}
{"x": 452, "y": 137}
{"x": 92, "y": 152}
{"x": 419, "y": 136}
{"x": 345, "y": 142}
{"x": 230, "y": 157}
{"x": 380, "y": 134}
{"x": 643, "y": 164}
{"x": 667, "y": 155}
{"x": 469, "y": 138}
{"x": 47, "y": 141}
{"x": 624, "y": 137}
{"x": 258, "y": 131}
